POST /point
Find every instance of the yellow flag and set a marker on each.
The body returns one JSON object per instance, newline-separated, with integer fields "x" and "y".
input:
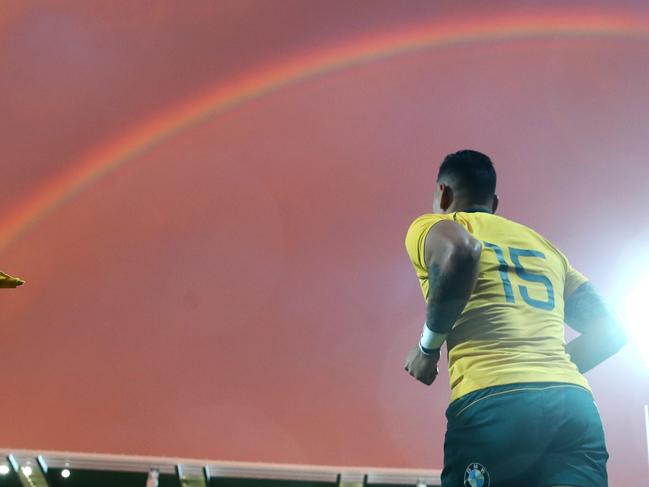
{"x": 8, "y": 281}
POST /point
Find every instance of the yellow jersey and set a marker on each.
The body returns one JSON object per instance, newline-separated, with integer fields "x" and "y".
{"x": 512, "y": 328}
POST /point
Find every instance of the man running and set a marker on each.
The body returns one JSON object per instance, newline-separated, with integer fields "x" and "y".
{"x": 498, "y": 294}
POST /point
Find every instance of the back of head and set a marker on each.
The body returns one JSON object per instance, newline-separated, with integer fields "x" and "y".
{"x": 471, "y": 176}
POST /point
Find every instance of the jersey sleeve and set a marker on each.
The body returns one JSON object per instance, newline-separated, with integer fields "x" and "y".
{"x": 416, "y": 239}
{"x": 415, "y": 243}
{"x": 574, "y": 279}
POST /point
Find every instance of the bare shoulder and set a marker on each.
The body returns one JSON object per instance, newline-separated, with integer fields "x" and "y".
{"x": 451, "y": 231}
{"x": 447, "y": 236}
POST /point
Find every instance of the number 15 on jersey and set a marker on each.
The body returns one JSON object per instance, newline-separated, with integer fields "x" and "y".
{"x": 515, "y": 255}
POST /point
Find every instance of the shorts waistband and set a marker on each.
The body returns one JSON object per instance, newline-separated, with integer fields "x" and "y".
{"x": 461, "y": 404}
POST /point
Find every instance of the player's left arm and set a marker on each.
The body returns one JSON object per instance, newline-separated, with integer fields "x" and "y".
{"x": 601, "y": 335}
{"x": 452, "y": 257}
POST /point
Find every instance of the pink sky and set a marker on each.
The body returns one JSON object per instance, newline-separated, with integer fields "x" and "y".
{"x": 240, "y": 290}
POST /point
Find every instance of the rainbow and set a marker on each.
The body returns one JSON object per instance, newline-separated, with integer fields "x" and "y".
{"x": 109, "y": 157}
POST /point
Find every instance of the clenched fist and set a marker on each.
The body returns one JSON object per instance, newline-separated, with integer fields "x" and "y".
{"x": 422, "y": 367}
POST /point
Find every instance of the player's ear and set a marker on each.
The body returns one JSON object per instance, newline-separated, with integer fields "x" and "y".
{"x": 494, "y": 205}
{"x": 446, "y": 197}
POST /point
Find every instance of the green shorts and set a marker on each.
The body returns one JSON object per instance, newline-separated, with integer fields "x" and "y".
{"x": 533, "y": 434}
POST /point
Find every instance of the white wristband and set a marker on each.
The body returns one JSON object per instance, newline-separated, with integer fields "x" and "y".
{"x": 430, "y": 341}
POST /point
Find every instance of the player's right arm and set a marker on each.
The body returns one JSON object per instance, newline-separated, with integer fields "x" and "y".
{"x": 601, "y": 336}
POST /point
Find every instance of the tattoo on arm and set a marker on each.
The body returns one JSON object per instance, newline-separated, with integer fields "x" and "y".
{"x": 448, "y": 293}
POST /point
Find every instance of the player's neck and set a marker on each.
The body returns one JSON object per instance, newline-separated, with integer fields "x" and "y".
{"x": 470, "y": 208}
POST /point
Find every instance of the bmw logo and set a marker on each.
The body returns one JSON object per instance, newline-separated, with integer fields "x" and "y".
{"x": 476, "y": 475}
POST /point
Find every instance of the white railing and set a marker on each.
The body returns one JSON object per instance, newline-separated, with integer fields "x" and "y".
{"x": 213, "y": 468}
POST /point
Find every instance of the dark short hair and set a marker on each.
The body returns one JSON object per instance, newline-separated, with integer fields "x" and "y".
{"x": 471, "y": 173}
